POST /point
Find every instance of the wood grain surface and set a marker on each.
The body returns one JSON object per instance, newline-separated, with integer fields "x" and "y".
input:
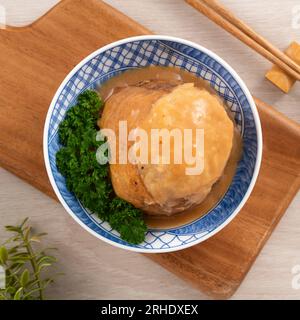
{"x": 218, "y": 265}
{"x": 34, "y": 60}
{"x": 219, "y": 276}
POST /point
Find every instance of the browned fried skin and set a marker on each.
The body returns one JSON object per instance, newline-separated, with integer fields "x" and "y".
{"x": 132, "y": 104}
{"x": 166, "y": 189}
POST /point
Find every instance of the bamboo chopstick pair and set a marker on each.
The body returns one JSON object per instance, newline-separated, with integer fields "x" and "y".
{"x": 228, "y": 21}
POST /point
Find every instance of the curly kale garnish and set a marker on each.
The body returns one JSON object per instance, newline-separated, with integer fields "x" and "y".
{"x": 85, "y": 177}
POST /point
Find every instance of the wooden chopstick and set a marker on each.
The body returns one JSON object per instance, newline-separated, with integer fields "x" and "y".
{"x": 227, "y": 14}
{"x": 225, "y": 19}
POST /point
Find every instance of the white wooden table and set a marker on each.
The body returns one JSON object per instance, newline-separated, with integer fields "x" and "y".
{"x": 95, "y": 270}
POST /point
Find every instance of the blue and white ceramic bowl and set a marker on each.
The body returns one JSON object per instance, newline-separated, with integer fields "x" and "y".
{"x": 166, "y": 51}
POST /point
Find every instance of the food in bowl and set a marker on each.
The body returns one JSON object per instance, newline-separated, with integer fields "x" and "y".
{"x": 132, "y": 195}
{"x": 161, "y": 233}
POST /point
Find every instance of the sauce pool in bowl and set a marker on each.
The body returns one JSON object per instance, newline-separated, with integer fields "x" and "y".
{"x": 173, "y": 76}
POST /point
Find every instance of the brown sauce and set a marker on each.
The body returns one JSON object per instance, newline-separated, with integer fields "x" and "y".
{"x": 172, "y": 74}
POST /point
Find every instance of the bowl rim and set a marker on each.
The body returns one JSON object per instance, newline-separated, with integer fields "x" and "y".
{"x": 180, "y": 41}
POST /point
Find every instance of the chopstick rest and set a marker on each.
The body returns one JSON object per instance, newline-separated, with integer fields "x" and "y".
{"x": 279, "y": 77}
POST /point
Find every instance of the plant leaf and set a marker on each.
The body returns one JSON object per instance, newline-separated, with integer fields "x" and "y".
{"x": 28, "y": 294}
{"x": 17, "y": 295}
{"x": 48, "y": 259}
{"x": 19, "y": 261}
{"x": 32, "y": 284}
{"x": 3, "y": 255}
{"x": 46, "y": 282}
{"x": 42, "y": 234}
{"x": 24, "y": 222}
{"x": 13, "y": 228}
{"x": 11, "y": 290}
{"x": 23, "y": 264}
{"x": 42, "y": 266}
{"x": 35, "y": 239}
{"x": 12, "y": 250}
{"x": 24, "y": 278}
{"x": 27, "y": 233}
{"x": 15, "y": 267}
{"x": 22, "y": 254}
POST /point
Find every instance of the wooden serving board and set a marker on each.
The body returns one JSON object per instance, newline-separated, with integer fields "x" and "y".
{"x": 33, "y": 62}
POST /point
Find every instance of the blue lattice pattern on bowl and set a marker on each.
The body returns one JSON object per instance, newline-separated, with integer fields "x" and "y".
{"x": 139, "y": 52}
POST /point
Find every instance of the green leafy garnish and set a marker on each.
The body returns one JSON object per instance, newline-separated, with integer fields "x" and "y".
{"x": 24, "y": 266}
{"x": 86, "y": 178}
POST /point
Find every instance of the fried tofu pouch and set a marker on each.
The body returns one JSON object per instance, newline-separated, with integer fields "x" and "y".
{"x": 166, "y": 189}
